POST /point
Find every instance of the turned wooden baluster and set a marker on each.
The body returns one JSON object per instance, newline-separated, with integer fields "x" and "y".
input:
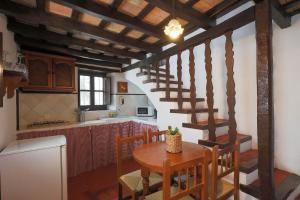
{"x": 230, "y": 86}
{"x": 179, "y": 76}
{"x": 168, "y": 78}
{"x": 148, "y": 72}
{"x": 192, "y": 85}
{"x": 157, "y": 75}
{"x": 209, "y": 92}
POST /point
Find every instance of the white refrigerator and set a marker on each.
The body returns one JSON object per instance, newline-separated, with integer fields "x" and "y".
{"x": 34, "y": 169}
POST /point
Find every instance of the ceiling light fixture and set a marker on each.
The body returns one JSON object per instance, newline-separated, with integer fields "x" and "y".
{"x": 173, "y": 29}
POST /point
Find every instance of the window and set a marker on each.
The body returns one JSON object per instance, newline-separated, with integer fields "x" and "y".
{"x": 94, "y": 90}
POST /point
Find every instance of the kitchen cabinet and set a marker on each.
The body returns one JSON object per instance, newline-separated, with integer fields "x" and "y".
{"x": 63, "y": 74}
{"x": 49, "y": 73}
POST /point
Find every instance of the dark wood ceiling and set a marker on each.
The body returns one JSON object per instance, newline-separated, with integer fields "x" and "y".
{"x": 113, "y": 31}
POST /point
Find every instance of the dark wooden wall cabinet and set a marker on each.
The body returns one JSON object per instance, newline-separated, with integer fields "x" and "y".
{"x": 49, "y": 72}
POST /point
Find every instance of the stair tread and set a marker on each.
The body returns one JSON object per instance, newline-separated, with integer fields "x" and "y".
{"x": 153, "y": 74}
{"x": 171, "y": 89}
{"x": 188, "y": 111}
{"x": 154, "y": 69}
{"x": 285, "y": 183}
{"x": 223, "y": 140}
{"x": 203, "y": 125}
{"x": 183, "y": 99}
{"x": 249, "y": 161}
{"x": 160, "y": 81}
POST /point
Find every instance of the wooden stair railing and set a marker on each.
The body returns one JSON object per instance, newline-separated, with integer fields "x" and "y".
{"x": 168, "y": 78}
{"x": 179, "y": 77}
{"x": 192, "y": 85}
{"x": 148, "y": 72}
{"x": 230, "y": 87}
{"x": 209, "y": 92}
{"x": 157, "y": 75}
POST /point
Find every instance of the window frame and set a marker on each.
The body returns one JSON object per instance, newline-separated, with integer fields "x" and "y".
{"x": 92, "y": 90}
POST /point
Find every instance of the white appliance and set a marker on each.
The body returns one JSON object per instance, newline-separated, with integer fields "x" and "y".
{"x": 34, "y": 169}
{"x": 144, "y": 111}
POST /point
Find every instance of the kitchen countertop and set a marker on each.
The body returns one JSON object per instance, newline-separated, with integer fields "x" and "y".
{"x": 146, "y": 120}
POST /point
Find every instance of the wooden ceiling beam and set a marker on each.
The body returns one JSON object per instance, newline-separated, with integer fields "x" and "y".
{"x": 225, "y": 7}
{"x": 239, "y": 20}
{"x": 27, "y": 42}
{"x": 34, "y": 16}
{"x": 84, "y": 61}
{"x": 94, "y": 68}
{"x": 291, "y": 5}
{"x": 36, "y": 33}
{"x": 112, "y": 15}
{"x": 188, "y": 14}
{"x": 41, "y": 5}
{"x": 279, "y": 15}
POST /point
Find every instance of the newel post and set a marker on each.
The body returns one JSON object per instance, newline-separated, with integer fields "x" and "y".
{"x": 265, "y": 116}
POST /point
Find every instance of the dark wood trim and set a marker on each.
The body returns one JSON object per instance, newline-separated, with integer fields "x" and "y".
{"x": 36, "y": 33}
{"x": 1, "y": 71}
{"x": 38, "y": 45}
{"x": 101, "y": 69}
{"x": 188, "y": 14}
{"x": 112, "y": 15}
{"x": 265, "y": 110}
{"x": 84, "y": 61}
{"x": 233, "y": 23}
{"x": 33, "y": 15}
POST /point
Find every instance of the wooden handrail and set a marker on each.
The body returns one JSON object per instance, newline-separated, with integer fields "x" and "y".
{"x": 230, "y": 87}
{"x": 209, "y": 92}
{"x": 179, "y": 77}
{"x": 192, "y": 86}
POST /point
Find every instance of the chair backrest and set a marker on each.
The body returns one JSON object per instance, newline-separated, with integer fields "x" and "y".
{"x": 155, "y": 136}
{"x": 224, "y": 162}
{"x": 126, "y": 144}
{"x": 196, "y": 185}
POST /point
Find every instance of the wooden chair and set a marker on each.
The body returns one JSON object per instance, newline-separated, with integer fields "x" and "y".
{"x": 197, "y": 188}
{"x": 157, "y": 135}
{"x": 133, "y": 181}
{"x": 225, "y": 162}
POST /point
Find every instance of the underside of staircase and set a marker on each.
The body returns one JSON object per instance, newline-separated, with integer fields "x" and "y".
{"x": 287, "y": 184}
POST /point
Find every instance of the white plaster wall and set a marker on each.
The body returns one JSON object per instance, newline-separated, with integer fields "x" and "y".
{"x": 8, "y": 111}
{"x": 135, "y": 96}
{"x": 287, "y": 96}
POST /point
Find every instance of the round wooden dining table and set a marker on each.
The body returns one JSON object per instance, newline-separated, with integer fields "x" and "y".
{"x": 151, "y": 157}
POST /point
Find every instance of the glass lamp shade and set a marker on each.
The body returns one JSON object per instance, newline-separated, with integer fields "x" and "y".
{"x": 173, "y": 29}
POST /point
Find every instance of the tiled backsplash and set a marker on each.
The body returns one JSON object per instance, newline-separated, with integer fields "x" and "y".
{"x": 46, "y": 107}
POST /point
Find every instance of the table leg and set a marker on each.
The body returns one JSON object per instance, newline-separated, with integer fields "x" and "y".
{"x": 145, "y": 175}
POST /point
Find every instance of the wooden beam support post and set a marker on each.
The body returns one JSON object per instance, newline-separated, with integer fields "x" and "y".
{"x": 265, "y": 116}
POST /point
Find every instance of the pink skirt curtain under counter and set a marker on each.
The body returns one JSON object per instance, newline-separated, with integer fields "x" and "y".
{"x": 92, "y": 147}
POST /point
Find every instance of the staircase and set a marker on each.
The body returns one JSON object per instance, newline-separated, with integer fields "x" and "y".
{"x": 201, "y": 123}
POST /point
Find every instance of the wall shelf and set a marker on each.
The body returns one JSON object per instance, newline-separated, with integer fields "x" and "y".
{"x": 13, "y": 80}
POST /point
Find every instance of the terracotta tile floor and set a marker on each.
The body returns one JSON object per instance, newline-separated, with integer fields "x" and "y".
{"x": 99, "y": 184}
